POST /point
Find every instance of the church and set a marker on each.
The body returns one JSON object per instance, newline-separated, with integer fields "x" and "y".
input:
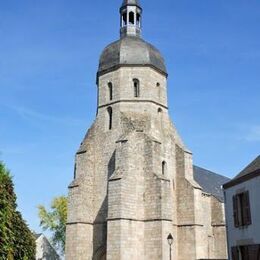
{"x": 136, "y": 194}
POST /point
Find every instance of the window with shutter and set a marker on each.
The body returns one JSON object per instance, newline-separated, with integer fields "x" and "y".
{"x": 254, "y": 252}
{"x": 245, "y": 252}
{"x": 246, "y": 209}
{"x": 235, "y": 211}
{"x": 235, "y": 253}
{"x": 241, "y": 209}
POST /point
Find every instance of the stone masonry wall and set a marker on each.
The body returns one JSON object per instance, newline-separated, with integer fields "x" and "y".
{"x": 123, "y": 202}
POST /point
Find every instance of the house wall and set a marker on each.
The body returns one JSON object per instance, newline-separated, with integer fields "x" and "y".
{"x": 44, "y": 250}
{"x": 249, "y": 234}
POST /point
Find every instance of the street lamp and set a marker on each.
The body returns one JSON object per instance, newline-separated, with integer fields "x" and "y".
{"x": 170, "y": 241}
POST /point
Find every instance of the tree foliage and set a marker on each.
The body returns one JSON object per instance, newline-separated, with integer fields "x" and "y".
{"x": 16, "y": 240}
{"x": 55, "y": 221}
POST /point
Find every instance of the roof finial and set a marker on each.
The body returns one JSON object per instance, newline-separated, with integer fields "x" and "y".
{"x": 131, "y": 17}
{"x": 131, "y": 2}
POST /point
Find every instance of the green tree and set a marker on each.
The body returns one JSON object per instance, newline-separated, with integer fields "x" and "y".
{"x": 7, "y": 211}
{"x": 55, "y": 220}
{"x": 24, "y": 239}
{"x": 16, "y": 239}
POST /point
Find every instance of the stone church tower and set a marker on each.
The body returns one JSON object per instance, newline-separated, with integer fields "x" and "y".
{"x": 134, "y": 178}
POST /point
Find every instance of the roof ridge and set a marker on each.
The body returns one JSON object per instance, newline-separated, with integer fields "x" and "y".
{"x": 211, "y": 171}
{"x": 251, "y": 167}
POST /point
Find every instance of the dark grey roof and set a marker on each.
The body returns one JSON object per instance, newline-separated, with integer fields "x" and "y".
{"x": 131, "y": 50}
{"x": 210, "y": 182}
{"x": 37, "y": 235}
{"x": 130, "y": 2}
{"x": 252, "y": 167}
{"x": 250, "y": 172}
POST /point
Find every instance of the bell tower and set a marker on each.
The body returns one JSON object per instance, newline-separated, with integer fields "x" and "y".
{"x": 133, "y": 183}
{"x": 131, "y": 18}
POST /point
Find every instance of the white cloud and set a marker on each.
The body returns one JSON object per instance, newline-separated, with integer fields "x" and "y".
{"x": 32, "y": 115}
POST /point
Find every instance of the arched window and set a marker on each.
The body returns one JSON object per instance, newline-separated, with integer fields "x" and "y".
{"x": 160, "y": 117}
{"x": 124, "y": 19}
{"x": 164, "y": 168}
{"x": 136, "y": 88}
{"x": 110, "y": 90}
{"x": 158, "y": 89}
{"x": 131, "y": 18}
{"x": 110, "y": 117}
{"x": 75, "y": 171}
{"x": 138, "y": 20}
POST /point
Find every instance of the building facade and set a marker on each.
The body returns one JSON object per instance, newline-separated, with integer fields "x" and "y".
{"x": 44, "y": 250}
{"x": 243, "y": 215}
{"x": 135, "y": 182}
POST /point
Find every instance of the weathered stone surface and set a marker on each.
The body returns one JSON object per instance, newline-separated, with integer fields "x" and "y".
{"x": 120, "y": 200}
{"x": 134, "y": 182}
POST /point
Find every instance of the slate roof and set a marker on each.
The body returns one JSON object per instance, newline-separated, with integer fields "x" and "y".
{"x": 253, "y": 166}
{"x": 210, "y": 182}
{"x": 250, "y": 172}
{"x": 131, "y": 50}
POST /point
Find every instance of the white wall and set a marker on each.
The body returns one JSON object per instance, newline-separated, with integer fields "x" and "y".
{"x": 249, "y": 234}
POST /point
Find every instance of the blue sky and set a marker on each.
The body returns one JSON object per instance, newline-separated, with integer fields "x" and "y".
{"x": 49, "y": 56}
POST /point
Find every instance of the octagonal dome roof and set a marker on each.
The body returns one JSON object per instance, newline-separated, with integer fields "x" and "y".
{"x": 131, "y": 51}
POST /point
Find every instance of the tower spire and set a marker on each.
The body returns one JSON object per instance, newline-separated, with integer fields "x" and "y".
{"x": 131, "y": 18}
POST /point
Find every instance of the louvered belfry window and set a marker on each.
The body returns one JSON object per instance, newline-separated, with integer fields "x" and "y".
{"x": 241, "y": 209}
